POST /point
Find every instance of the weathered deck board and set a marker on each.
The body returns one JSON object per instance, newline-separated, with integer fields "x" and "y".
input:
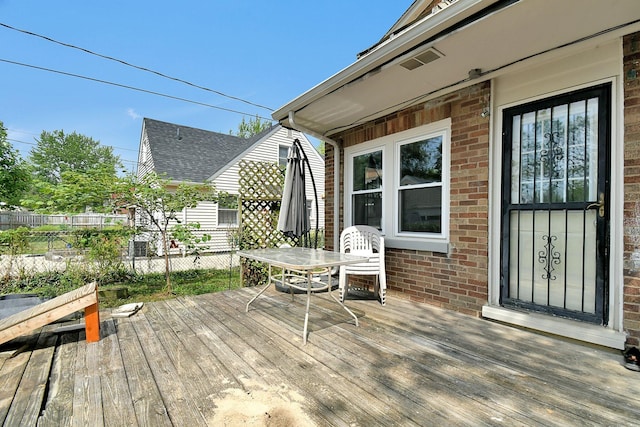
{"x": 59, "y": 406}
{"x": 27, "y": 401}
{"x": 248, "y": 369}
{"x": 270, "y": 351}
{"x": 189, "y": 357}
{"x": 558, "y": 373}
{"x": 148, "y": 406}
{"x": 366, "y": 386}
{"x": 11, "y": 375}
{"x": 117, "y": 404}
{"x": 87, "y": 396}
{"x": 203, "y": 360}
{"x": 180, "y": 407}
{"x": 384, "y": 360}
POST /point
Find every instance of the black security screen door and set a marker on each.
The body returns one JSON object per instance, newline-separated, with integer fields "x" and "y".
{"x": 555, "y": 205}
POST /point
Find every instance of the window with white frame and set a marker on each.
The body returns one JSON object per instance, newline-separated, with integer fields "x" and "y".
{"x": 366, "y": 188}
{"x": 283, "y": 152}
{"x": 410, "y": 201}
{"x": 419, "y": 189}
{"x": 311, "y": 209}
{"x": 227, "y": 213}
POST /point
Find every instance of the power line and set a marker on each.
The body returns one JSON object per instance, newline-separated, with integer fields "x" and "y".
{"x": 110, "y": 58}
{"x": 131, "y": 88}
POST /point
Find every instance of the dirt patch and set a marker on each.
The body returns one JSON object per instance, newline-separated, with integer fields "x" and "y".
{"x": 261, "y": 408}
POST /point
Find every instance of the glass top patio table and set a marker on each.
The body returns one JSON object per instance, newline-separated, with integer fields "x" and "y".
{"x": 305, "y": 261}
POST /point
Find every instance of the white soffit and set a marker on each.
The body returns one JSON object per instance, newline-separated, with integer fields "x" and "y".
{"x": 525, "y": 29}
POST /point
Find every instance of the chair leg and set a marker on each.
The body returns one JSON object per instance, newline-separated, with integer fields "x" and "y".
{"x": 383, "y": 288}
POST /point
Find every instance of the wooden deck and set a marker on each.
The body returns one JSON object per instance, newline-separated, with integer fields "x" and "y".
{"x": 203, "y": 361}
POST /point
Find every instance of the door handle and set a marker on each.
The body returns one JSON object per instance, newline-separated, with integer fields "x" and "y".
{"x": 599, "y": 205}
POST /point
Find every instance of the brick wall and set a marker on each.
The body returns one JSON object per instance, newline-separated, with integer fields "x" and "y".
{"x": 632, "y": 187}
{"x": 458, "y": 280}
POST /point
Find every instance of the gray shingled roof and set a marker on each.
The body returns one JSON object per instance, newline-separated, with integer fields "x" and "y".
{"x": 192, "y": 154}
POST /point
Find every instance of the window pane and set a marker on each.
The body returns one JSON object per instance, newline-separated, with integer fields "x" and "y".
{"x": 367, "y": 171}
{"x": 227, "y": 211}
{"x": 421, "y": 162}
{"x": 228, "y": 216}
{"x": 283, "y": 151}
{"x": 367, "y": 209}
{"x": 311, "y": 208}
{"x": 421, "y": 210}
{"x": 554, "y": 153}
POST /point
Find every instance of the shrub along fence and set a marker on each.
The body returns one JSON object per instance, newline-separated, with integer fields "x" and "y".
{"x": 98, "y": 253}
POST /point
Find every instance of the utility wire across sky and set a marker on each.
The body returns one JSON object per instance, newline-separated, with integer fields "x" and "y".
{"x": 269, "y": 119}
{"x": 110, "y": 58}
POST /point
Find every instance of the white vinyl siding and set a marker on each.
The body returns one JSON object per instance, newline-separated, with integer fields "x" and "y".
{"x": 145, "y": 161}
{"x": 268, "y": 150}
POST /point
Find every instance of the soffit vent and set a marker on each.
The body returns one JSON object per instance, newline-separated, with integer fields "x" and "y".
{"x": 421, "y": 59}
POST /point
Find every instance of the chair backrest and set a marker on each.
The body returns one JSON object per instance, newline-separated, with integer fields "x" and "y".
{"x": 365, "y": 241}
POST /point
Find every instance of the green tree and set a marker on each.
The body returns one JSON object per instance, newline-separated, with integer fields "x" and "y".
{"x": 76, "y": 192}
{"x": 158, "y": 202}
{"x": 70, "y": 174}
{"x": 14, "y": 172}
{"x": 57, "y": 152}
{"x": 247, "y": 129}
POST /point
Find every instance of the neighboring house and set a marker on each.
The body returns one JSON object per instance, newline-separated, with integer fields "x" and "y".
{"x": 186, "y": 154}
{"x": 506, "y": 138}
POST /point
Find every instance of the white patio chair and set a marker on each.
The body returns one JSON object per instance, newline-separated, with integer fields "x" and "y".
{"x": 366, "y": 241}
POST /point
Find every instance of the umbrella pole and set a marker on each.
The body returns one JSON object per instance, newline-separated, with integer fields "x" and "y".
{"x": 305, "y": 160}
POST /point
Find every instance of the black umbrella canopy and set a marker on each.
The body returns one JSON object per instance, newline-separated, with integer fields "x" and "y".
{"x": 294, "y": 215}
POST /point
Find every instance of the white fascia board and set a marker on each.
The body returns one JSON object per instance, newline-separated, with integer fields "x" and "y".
{"x": 420, "y": 31}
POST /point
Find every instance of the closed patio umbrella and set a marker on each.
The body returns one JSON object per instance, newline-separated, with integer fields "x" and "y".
{"x": 294, "y": 215}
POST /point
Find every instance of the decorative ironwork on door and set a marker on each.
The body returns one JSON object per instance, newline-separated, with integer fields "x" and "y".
{"x": 549, "y": 257}
{"x": 555, "y": 177}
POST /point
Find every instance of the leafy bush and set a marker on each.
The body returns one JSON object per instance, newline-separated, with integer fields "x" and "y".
{"x": 53, "y": 283}
{"x": 14, "y": 242}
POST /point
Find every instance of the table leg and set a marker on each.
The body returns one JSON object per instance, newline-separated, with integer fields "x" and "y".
{"x": 264, "y": 289}
{"x": 340, "y": 302}
{"x": 306, "y": 313}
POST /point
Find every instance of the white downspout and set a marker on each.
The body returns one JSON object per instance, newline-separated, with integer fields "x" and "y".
{"x": 336, "y": 176}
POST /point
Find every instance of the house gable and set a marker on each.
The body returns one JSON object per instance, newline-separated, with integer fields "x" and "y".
{"x": 188, "y": 154}
{"x": 419, "y": 10}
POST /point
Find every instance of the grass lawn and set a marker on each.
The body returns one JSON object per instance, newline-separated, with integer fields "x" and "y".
{"x": 140, "y": 288}
{"x": 152, "y": 287}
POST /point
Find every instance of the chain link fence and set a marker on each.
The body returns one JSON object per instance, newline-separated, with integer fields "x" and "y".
{"x": 43, "y": 252}
{"x": 14, "y": 219}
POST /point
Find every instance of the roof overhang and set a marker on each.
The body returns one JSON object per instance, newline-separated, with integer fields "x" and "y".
{"x": 463, "y": 43}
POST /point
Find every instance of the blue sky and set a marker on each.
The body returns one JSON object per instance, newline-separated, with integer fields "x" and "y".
{"x": 263, "y": 52}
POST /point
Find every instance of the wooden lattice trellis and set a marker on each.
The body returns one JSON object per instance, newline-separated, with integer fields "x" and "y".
{"x": 260, "y": 195}
{"x": 261, "y": 185}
